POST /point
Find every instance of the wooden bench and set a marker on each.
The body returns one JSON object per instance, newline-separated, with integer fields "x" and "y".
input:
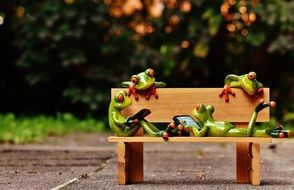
{"x": 177, "y": 101}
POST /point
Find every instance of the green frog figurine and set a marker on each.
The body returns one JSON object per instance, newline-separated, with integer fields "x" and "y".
{"x": 124, "y": 126}
{"x": 246, "y": 82}
{"x": 212, "y": 128}
{"x": 143, "y": 83}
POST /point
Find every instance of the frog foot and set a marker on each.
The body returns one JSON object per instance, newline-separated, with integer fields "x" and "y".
{"x": 263, "y": 105}
{"x": 226, "y": 91}
{"x": 279, "y": 132}
{"x": 164, "y": 135}
{"x": 131, "y": 91}
{"x": 152, "y": 91}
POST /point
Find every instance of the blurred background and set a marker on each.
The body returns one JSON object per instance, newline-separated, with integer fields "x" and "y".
{"x": 59, "y": 59}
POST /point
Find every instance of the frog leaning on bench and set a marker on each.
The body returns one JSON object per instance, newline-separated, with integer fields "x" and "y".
{"x": 143, "y": 83}
{"x": 247, "y": 82}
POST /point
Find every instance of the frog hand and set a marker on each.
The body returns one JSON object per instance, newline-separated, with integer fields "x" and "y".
{"x": 131, "y": 91}
{"x": 258, "y": 93}
{"x": 226, "y": 91}
{"x": 131, "y": 122}
{"x": 151, "y": 91}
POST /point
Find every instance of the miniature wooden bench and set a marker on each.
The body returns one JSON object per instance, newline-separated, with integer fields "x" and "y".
{"x": 181, "y": 101}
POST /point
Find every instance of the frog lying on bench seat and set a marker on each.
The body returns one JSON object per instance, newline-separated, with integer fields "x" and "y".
{"x": 212, "y": 128}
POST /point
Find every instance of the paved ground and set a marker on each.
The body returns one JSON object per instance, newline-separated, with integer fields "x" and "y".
{"x": 87, "y": 161}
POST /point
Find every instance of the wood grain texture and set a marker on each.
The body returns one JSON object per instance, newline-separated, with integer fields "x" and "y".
{"x": 191, "y": 139}
{"x": 177, "y": 101}
{"x": 242, "y": 162}
{"x": 123, "y": 162}
{"x": 130, "y": 161}
{"x": 136, "y": 160}
{"x": 255, "y": 164}
{"x": 283, "y": 140}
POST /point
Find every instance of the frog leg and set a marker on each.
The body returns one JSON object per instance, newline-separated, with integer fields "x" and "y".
{"x": 121, "y": 129}
{"x": 258, "y": 108}
{"x": 151, "y": 129}
{"x": 197, "y": 133}
{"x": 129, "y": 131}
{"x": 237, "y": 132}
{"x": 151, "y": 91}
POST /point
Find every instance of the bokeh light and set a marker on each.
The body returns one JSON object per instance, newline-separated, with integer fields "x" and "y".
{"x": 1, "y": 19}
{"x": 239, "y": 15}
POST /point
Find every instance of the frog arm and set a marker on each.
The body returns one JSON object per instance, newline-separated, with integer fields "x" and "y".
{"x": 150, "y": 128}
{"x": 126, "y": 83}
{"x": 159, "y": 84}
{"x": 197, "y": 133}
{"x": 132, "y": 89}
{"x": 233, "y": 80}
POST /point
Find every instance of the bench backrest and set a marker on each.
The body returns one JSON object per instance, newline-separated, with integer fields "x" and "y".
{"x": 181, "y": 101}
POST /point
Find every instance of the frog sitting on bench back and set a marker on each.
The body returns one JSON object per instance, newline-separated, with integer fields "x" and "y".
{"x": 212, "y": 128}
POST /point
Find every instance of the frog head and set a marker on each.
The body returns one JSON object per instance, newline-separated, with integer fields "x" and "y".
{"x": 143, "y": 80}
{"x": 202, "y": 113}
{"x": 250, "y": 84}
{"x": 121, "y": 101}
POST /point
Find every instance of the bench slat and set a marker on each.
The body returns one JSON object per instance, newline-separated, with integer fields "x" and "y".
{"x": 178, "y": 101}
{"x": 191, "y": 139}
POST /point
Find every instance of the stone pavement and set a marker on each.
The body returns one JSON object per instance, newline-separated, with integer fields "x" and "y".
{"x": 87, "y": 161}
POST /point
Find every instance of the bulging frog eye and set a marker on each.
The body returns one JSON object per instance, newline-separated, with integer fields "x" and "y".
{"x": 120, "y": 97}
{"x": 134, "y": 79}
{"x": 252, "y": 75}
{"x": 151, "y": 72}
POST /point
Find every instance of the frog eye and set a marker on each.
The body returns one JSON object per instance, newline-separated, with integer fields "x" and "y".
{"x": 252, "y": 75}
{"x": 151, "y": 72}
{"x": 134, "y": 79}
{"x": 120, "y": 97}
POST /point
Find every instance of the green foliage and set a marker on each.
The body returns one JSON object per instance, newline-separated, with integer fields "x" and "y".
{"x": 71, "y": 54}
{"x": 35, "y": 129}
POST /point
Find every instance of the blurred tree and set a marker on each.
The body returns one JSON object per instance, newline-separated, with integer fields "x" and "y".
{"x": 72, "y": 52}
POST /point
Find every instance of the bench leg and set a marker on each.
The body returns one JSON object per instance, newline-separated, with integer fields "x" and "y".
{"x": 130, "y": 163}
{"x": 255, "y": 163}
{"x": 248, "y": 163}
